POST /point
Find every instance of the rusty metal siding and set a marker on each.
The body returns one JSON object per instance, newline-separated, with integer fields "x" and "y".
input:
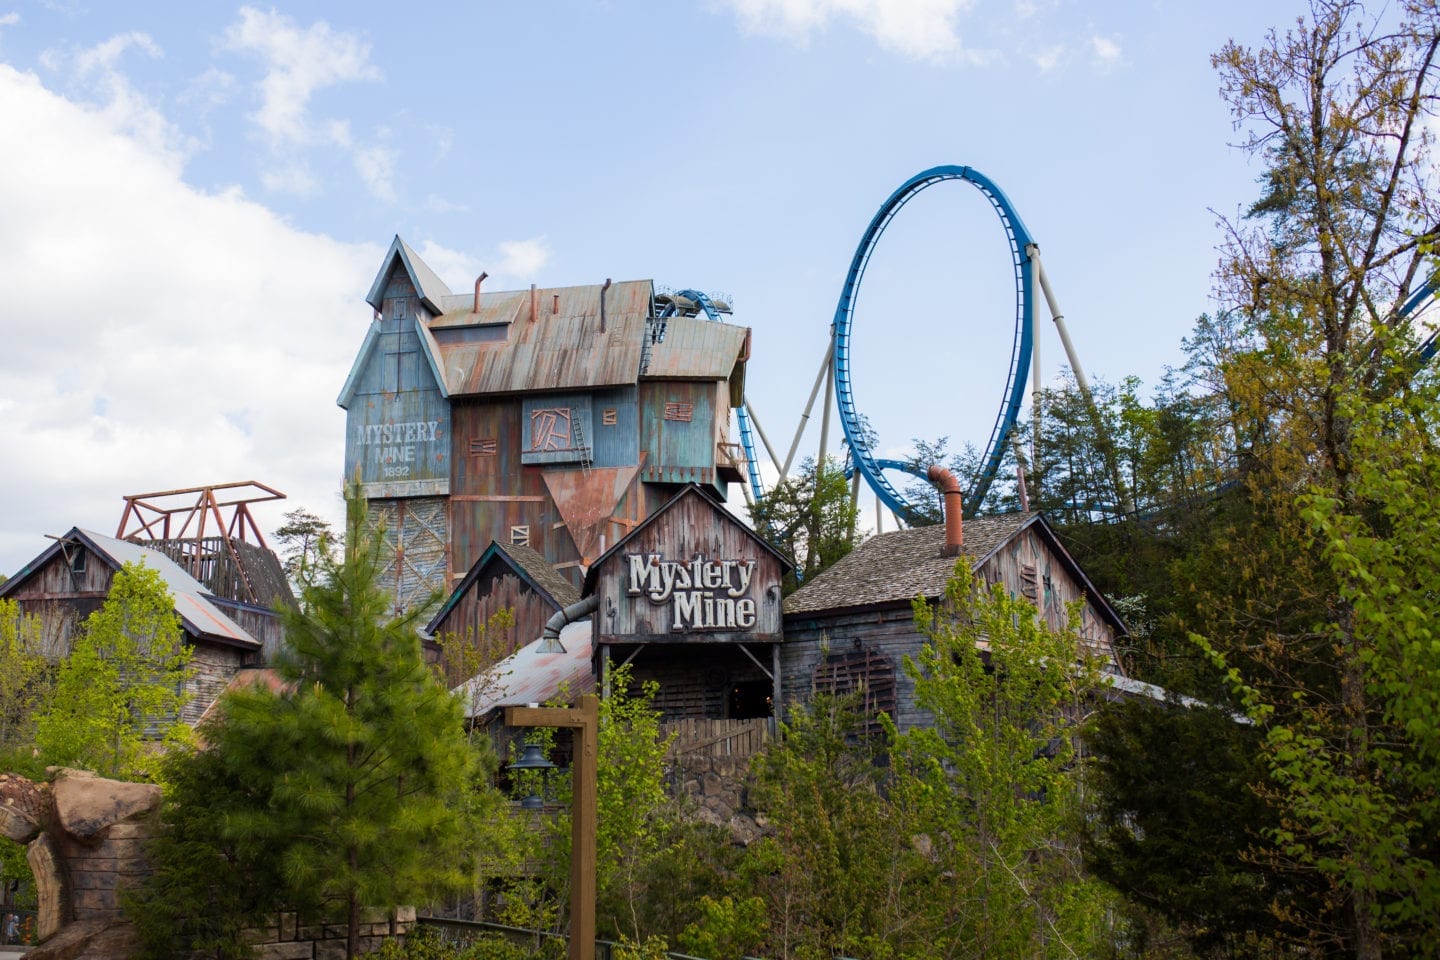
{"x": 493, "y": 492}
{"x": 560, "y": 348}
{"x": 679, "y": 451}
{"x": 695, "y": 348}
{"x": 691, "y": 527}
{"x": 558, "y": 428}
{"x": 617, "y": 443}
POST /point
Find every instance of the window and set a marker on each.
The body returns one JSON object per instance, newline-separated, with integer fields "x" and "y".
{"x": 608, "y": 417}
{"x": 861, "y": 671}
{"x": 1029, "y": 582}
{"x": 679, "y": 410}
{"x": 483, "y": 448}
{"x": 77, "y": 559}
{"x": 520, "y": 535}
{"x": 550, "y": 428}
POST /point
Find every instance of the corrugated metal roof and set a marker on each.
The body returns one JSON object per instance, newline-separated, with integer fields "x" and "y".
{"x": 897, "y": 567}
{"x": 192, "y": 603}
{"x": 696, "y": 348}
{"x": 560, "y": 349}
{"x": 529, "y": 676}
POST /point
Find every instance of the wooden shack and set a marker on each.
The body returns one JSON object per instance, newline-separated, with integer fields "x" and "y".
{"x": 71, "y": 578}
{"x": 850, "y": 628}
{"x": 554, "y": 418}
{"x": 691, "y": 598}
{"x": 507, "y": 578}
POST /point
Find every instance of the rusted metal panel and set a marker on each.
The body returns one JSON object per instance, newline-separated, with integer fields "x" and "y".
{"x": 561, "y": 346}
{"x": 529, "y": 676}
{"x": 615, "y": 427}
{"x": 691, "y": 572}
{"x": 696, "y": 349}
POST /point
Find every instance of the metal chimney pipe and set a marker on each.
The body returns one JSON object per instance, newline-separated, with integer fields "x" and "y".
{"x": 954, "y": 509}
{"x": 483, "y": 275}
{"x": 602, "y": 303}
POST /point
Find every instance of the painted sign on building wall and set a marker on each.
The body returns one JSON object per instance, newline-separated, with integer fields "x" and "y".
{"x": 701, "y": 594}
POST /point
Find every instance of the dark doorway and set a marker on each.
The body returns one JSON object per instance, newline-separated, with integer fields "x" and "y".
{"x": 749, "y": 699}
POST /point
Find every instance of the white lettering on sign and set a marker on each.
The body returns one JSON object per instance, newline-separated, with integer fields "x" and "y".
{"x": 414, "y": 431}
{"x": 703, "y": 594}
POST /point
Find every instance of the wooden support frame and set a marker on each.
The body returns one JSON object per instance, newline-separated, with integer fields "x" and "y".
{"x": 585, "y": 721}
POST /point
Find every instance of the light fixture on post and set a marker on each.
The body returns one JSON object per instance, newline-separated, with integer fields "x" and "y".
{"x": 533, "y": 758}
{"x": 584, "y": 720}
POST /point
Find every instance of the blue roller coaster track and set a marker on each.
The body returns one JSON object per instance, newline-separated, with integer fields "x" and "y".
{"x": 863, "y": 459}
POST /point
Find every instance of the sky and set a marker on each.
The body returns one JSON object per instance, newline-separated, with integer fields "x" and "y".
{"x": 195, "y": 199}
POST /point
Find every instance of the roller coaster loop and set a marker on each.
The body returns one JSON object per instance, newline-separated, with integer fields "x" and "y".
{"x": 863, "y": 458}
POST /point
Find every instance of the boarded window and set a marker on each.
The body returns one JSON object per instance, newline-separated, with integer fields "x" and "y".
{"x": 608, "y": 417}
{"x": 679, "y": 410}
{"x": 1029, "y": 582}
{"x": 483, "y": 448}
{"x": 520, "y": 535}
{"x": 865, "y": 673}
{"x": 550, "y": 429}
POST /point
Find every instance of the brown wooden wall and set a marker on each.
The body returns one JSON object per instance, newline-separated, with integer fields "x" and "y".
{"x": 692, "y": 526}
{"x": 695, "y": 680}
{"x": 490, "y": 594}
{"x": 213, "y": 668}
{"x": 63, "y": 600}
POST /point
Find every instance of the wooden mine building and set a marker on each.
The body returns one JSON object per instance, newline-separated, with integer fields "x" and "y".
{"x": 552, "y": 418}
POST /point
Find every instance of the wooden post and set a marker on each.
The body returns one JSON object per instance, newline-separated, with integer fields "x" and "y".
{"x": 585, "y": 721}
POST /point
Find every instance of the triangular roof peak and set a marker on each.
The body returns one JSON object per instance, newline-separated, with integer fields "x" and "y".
{"x": 430, "y": 288}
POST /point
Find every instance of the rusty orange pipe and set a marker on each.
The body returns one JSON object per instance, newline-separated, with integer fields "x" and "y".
{"x": 954, "y": 509}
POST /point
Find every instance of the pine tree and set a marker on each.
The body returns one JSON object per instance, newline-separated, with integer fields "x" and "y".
{"x": 354, "y": 772}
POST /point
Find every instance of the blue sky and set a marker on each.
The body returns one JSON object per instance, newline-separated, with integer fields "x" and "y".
{"x": 194, "y": 199}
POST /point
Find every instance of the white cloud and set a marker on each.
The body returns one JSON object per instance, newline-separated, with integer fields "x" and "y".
{"x": 298, "y": 63}
{"x": 9, "y": 19}
{"x": 96, "y": 77}
{"x": 512, "y": 264}
{"x": 156, "y": 336}
{"x": 1107, "y": 51}
{"x": 376, "y": 166}
{"x": 919, "y": 29}
{"x": 1049, "y": 58}
{"x": 523, "y": 259}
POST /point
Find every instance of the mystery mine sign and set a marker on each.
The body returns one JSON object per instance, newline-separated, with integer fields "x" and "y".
{"x": 704, "y": 594}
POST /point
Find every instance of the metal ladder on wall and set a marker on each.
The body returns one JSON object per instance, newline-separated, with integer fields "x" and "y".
{"x": 577, "y": 439}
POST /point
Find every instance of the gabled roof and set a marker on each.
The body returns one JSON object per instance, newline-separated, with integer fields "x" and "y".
{"x": 525, "y": 563}
{"x": 530, "y": 676}
{"x": 894, "y": 568}
{"x": 689, "y": 490}
{"x": 430, "y": 288}
{"x": 200, "y": 617}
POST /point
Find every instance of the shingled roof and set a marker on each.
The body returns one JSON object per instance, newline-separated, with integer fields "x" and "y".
{"x": 897, "y": 567}
{"x": 527, "y": 563}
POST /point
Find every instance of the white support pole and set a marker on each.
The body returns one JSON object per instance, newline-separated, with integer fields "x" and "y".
{"x": 825, "y": 413}
{"x": 809, "y": 405}
{"x": 1033, "y": 252}
{"x": 1107, "y": 448}
{"x": 755, "y": 421}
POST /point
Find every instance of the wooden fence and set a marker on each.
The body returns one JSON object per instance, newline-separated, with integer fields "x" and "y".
{"x": 716, "y": 738}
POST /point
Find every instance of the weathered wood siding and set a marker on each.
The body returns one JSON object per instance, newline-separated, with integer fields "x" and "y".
{"x": 695, "y": 681}
{"x": 213, "y": 667}
{"x": 1024, "y": 565}
{"x": 487, "y": 596}
{"x": 1027, "y": 567}
{"x": 692, "y": 529}
{"x": 63, "y": 598}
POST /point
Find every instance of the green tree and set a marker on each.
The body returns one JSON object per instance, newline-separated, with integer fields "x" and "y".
{"x": 306, "y": 541}
{"x": 811, "y": 517}
{"x": 997, "y": 778}
{"x": 1337, "y": 109}
{"x": 119, "y": 692}
{"x": 26, "y": 676}
{"x": 358, "y": 766}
